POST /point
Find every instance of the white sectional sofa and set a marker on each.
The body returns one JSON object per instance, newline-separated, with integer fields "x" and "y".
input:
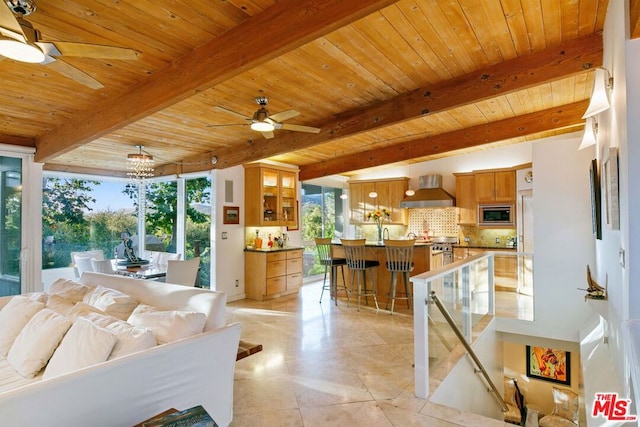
{"x": 123, "y": 391}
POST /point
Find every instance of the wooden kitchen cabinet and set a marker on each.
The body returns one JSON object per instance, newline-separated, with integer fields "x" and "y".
{"x": 272, "y": 274}
{"x": 270, "y": 196}
{"x": 495, "y": 186}
{"x": 466, "y": 199}
{"x": 390, "y": 194}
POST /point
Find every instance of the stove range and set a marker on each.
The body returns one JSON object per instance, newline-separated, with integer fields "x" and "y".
{"x": 444, "y": 244}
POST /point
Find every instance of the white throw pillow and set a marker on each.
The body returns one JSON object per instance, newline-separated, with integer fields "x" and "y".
{"x": 37, "y": 341}
{"x": 112, "y": 302}
{"x": 68, "y": 289}
{"x": 168, "y": 326}
{"x": 38, "y": 296}
{"x": 13, "y": 317}
{"x": 129, "y": 338}
{"x": 85, "y": 344}
{"x": 60, "y": 305}
{"x": 83, "y": 310}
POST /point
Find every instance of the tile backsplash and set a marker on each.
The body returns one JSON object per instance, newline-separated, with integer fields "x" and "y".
{"x": 441, "y": 221}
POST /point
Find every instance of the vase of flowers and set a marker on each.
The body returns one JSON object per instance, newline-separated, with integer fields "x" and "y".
{"x": 378, "y": 217}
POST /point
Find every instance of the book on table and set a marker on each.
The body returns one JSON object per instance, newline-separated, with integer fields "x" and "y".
{"x": 192, "y": 417}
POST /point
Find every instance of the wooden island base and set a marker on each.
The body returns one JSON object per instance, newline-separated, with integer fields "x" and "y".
{"x": 424, "y": 259}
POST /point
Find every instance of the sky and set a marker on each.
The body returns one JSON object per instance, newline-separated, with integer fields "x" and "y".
{"x": 109, "y": 196}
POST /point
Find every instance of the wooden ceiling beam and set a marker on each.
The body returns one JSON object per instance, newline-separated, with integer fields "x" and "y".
{"x": 554, "y": 118}
{"x": 17, "y": 140}
{"x": 634, "y": 18}
{"x": 568, "y": 59}
{"x": 280, "y": 28}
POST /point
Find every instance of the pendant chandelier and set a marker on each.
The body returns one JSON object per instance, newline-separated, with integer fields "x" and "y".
{"x": 140, "y": 166}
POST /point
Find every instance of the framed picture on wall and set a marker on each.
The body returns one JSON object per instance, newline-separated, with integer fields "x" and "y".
{"x": 549, "y": 364}
{"x": 610, "y": 183}
{"x": 596, "y": 203}
{"x": 231, "y": 215}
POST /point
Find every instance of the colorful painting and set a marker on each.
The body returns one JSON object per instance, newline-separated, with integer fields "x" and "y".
{"x": 549, "y": 364}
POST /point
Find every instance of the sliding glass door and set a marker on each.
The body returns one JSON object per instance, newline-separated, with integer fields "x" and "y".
{"x": 10, "y": 225}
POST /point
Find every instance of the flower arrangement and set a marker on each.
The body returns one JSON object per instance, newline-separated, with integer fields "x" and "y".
{"x": 379, "y": 216}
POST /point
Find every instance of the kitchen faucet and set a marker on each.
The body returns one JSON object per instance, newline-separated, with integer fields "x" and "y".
{"x": 412, "y": 235}
{"x": 385, "y": 234}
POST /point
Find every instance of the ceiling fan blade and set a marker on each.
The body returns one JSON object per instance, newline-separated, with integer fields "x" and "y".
{"x": 9, "y": 21}
{"x": 300, "y": 128}
{"x": 86, "y": 50}
{"x": 226, "y": 110}
{"x": 75, "y": 74}
{"x": 267, "y": 135}
{"x": 227, "y": 124}
{"x": 284, "y": 115}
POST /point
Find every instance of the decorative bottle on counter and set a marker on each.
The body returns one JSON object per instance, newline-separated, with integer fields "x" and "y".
{"x": 270, "y": 242}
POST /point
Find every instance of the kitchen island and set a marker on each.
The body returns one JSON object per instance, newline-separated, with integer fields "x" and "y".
{"x": 424, "y": 259}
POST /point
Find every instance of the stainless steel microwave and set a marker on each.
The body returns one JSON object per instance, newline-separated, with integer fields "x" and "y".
{"x": 496, "y": 215}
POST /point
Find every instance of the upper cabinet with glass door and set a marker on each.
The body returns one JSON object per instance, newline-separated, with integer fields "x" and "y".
{"x": 270, "y": 195}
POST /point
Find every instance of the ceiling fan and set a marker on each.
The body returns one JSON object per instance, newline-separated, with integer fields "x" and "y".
{"x": 20, "y": 41}
{"x": 266, "y": 123}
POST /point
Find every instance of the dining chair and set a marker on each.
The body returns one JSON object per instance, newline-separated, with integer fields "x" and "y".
{"x": 183, "y": 272}
{"x": 80, "y": 264}
{"x": 102, "y": 266}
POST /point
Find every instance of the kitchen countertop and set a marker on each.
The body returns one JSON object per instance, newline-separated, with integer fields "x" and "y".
{"x": 288, "y": 248}
{"x": 381, "y": 245}
{"x": 494, "y": 247}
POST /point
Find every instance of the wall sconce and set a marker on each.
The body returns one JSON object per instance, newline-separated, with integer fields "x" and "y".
{"x": 373, "y": 194}
{"x": 602, "y": 85}
{"x": 590, "y": 133}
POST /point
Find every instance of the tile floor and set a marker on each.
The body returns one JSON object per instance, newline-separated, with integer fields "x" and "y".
{"x": 326, "y": 365}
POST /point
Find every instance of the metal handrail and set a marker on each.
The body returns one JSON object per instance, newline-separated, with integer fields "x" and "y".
{"x": 467, "y": 346}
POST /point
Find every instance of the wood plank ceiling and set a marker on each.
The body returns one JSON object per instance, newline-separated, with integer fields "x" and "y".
{"x": 386, "y": 81}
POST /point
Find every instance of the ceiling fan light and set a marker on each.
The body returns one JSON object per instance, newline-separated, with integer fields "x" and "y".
{"x": 19, "y": 51}
{"x": 262, "y": 126}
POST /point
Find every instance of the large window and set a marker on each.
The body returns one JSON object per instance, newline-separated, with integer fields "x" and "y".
{"x": 80, "y": 215}
{"x": 322, "y": 216}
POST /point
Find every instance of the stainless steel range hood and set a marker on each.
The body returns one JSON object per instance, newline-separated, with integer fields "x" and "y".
{"x": 429, "y": 195}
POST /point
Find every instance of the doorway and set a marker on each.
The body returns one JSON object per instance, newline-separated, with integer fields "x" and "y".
{"x": 525, "y": 242}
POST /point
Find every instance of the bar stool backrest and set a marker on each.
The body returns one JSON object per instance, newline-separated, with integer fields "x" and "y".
{"x": 354, "y": 250}
{"x": 399, "y": 254}
{"x": 323, "y": 246}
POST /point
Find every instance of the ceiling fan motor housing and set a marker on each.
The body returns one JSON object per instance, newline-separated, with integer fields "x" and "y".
{"x": 22, "y": 7}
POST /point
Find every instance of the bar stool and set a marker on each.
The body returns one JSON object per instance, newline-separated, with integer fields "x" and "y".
{"x": 355, "y": 253}
{"x": 324, "y": 256}
{"x": 399, "y": 260}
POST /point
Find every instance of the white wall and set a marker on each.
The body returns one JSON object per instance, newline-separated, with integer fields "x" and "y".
{"x": 466, "y": 390}
{"x": 619, "y": 127}
{"x": 229, "y": 252}
{"x": 564, "y": 244}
